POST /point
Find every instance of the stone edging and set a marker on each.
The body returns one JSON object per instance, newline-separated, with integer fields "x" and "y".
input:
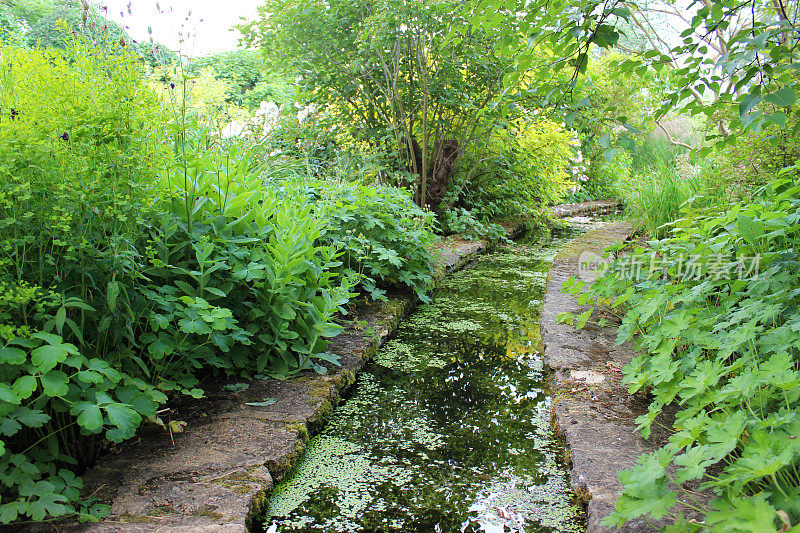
{"x": 594, "y": 207}
{"x": 592, "y": 409}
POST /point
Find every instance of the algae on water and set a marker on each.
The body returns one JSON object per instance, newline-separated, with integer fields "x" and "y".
{"x": 448, "y": 428}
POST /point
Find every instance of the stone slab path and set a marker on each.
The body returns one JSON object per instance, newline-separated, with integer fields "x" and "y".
{"x": 592, "y": 409}
{"x": 595, "y": 207}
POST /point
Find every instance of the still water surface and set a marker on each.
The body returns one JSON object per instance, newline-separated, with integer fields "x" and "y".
{"x": 447, "y": 430}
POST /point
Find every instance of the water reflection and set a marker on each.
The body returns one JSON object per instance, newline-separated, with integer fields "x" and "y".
{"x": 448, "y": 429}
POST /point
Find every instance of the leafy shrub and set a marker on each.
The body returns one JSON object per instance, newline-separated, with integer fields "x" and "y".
{"x": 524, "y": 170}
{"x": 128, "y": 271}
{"x": 257, "y": 243}
{"x": 756, "y": 156}
{"x": 611, "y": 93}
{"x": 247, "y": 80}
{"x": 606, "y": 97}
{"x": 459, "y": 220}
{"x": 76, "y": 167}
{"x": 252, "y": 297}
{"x": 140, "y": 253}
{"x": 723, "y": 345}
{"x": 385, "y": 238}
{"x": 604, "y": 178}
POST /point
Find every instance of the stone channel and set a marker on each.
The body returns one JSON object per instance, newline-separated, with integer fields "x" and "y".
{"x": 448, "y": 428}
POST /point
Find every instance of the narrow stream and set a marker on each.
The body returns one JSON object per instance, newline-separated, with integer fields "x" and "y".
{"x": 447, "y": 430}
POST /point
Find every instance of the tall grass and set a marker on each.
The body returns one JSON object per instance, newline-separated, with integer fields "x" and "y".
{"x": 662, "y": 183}
{"x": 652, "y": 153}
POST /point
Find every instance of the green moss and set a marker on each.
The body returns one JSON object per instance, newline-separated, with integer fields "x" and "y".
{"x": 240, "y": 482}
{"x": 300, "y": 429}
{"x": 323, "y": 390}
{"x": 280, "y": 466}
{"x": 207, "y": 511}
{"x": 159, "y": 510}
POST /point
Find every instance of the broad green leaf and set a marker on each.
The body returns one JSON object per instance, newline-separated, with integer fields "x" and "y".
{"x": 743, "y": 514}
{"x": 48, "y": 356}
{"x": 112, "y": 292}
{"x": 748, "y": 102}
{"x": 8, "y": 395}
{"x": 160, "y": 348}
{"x": 49, "y": 338}
{"x": 124, "y": 418}
{"x": 50, "y": 504}
{"x": 55, "y": 383}
{"x": 33, "y": 418}
{"x": 11, "y": 355}
{"x": 11, "y": 510}
{"x": 782, "y": 97}
{"x": 24, "y": 386}
{"x": 60, "y": 318}
{"x": 750, "y": 229}
{"x": 9, "y": 426}
{"x": 89, "y": 415}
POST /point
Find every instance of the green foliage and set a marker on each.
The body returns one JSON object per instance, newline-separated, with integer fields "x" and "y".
{"x": 717, "y": 322}
{"x": 51, "y": 398}
{"x": 552, "y": 44}
{"x": 16, "y": 18}
{"x": 238, "y": 295}
{"x": 607, "y": 97}
{"x": 464, "y": 223}
{"x": 140, "y": 252}
{"x": 662, "y": 183}
{"x": 604, "y": 177}
{"x": 385, "y": 238}
{"x": 54, "y": 23}
{"x": 524, "y": 168}
{"x": 247, "y": 80}
{"x": 755, "y": 157}
{"x": 735, "y": 64}
{"x": 390, "y": 73}
{"x": 611, "y": 94}
{"x": 75, "y": 178}
{"x": 653, "y": 153}
{"x": 255, "y": 243}
{"x": 129, "y": 269}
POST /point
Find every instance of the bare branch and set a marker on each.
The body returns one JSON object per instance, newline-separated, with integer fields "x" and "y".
{"x": 671, "y": 140}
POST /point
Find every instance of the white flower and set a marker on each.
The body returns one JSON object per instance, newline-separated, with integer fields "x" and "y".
{"x": 234, "y": 129}
{"x": 306, "y": 112}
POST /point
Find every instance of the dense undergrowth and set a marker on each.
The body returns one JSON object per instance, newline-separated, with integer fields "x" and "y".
{"x": 141, "y": 253}
{"x": 713, "y": 308}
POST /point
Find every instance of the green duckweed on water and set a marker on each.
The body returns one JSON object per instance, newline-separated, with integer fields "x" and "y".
{"x": 447, "y": 430}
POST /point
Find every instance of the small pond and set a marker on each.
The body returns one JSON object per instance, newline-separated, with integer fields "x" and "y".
{"x": 447, "y": 430}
